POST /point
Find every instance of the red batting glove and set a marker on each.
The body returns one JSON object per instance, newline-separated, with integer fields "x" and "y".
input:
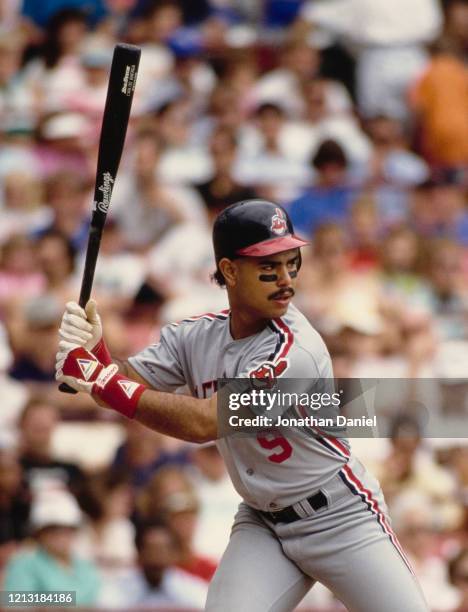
{"x": 102, "y": 352}
{"x": 81, "y": 370}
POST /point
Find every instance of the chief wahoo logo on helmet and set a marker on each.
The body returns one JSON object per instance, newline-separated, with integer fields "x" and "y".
{"x": 278, "y": 222}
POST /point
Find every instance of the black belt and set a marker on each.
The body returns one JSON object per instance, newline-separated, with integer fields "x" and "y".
{"x": 289, "y": 515}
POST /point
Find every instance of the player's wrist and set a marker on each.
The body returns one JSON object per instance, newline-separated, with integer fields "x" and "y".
{"x": 102, "y": 353}
{"x": 117, "y": 391}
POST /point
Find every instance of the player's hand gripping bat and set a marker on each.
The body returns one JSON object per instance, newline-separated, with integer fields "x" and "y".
{"x": 119, "y": 98}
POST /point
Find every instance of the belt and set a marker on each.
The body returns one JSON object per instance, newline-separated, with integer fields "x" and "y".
{"x": 289, "y": 515}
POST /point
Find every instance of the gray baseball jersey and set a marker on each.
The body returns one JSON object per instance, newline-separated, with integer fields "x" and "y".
{"x": 348, "y": 544}
{"x": 268, "y": 471}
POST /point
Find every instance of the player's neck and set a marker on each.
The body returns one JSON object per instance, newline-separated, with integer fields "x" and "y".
{"x": 243, "y": 324}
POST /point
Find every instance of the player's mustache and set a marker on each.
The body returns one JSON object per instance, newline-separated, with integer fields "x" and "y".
{"x": 282, "y": 293}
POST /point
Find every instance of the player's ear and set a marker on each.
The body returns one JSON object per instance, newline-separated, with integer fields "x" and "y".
{"x": 228, "y": 269}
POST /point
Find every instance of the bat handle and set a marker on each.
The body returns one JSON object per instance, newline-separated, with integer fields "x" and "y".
{"x": 64, "y": 388}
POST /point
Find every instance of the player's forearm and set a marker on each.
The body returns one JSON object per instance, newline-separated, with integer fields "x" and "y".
{"x": 179, "y": 416}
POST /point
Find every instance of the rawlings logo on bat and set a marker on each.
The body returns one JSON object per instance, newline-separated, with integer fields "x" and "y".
{"x": 278, "y": 222}
{"x": 106, "y": 190}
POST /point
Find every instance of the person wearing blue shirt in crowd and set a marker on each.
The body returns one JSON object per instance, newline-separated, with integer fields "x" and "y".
{"x": 331, "y": 196}
{"x": 52, "y": 565}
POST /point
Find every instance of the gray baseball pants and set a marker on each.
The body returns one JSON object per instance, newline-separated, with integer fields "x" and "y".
{"x": 348, "y": 546}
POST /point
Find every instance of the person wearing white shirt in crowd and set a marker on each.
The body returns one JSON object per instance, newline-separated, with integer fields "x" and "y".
{"x": 183, "y": 159}
{"x": 300, "y": 64}
{"x": 389, "y": 39}
{"x": 184, "y": 275}
{"x": 156, "y": 583}
{"x": 52, "y": 77}
{"x": 273, "y": 152}
{"x": 218, "y": 500}
{"x": 155, "y": 204}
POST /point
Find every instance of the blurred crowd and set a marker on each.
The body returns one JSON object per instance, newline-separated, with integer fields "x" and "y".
{"x": 353, "y": 114}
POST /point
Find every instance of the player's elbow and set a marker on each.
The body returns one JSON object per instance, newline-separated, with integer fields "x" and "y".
{"x": 206, "y": 435}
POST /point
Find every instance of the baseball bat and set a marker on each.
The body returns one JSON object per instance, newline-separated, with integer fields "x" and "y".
{"x": 122, "y": 79}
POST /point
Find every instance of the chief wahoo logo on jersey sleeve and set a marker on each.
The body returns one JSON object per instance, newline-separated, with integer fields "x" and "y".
{"x": 278, "y": 222}
{"x": 264, "y": 377}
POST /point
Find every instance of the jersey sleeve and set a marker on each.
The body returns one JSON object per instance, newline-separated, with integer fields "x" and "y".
{"x": 161, "y": 364}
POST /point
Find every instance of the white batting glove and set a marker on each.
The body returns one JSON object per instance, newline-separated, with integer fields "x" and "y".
{"x": 81, "y": 327}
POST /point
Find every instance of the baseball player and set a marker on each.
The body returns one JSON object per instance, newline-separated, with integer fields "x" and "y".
{"x": 311, "y": 512}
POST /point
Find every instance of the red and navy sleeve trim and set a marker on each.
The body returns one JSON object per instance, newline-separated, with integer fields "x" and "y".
{"x": 285, "y": 339}
{"x": 208, "y": 316}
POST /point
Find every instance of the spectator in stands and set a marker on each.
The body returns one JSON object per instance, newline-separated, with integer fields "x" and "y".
{"x": 273, "y": 153}
{"x": 119, "y": 273}
{"x": 330, "y": 197}
{"x": 444, "y": 85}
{"x": 240, "y": 75}
{"x": 449, "y": 296}
{"x": 65, "y": 144}
{"x": 156, "y": 583}
{"x": 456, "y": 25}
{"x": 184, "y": 277}
{"x": 117, "y": 19}
{"x": 15, "y": 502}
{"x": 390, "y": 43}
{"x": 157, "y": 205}
{"x": 51, "y": 565}
{"x": 416, "y": 525}
{"x": 21, "y": 204}
{"x": 66, "y": 196}
{"x": 225, "y": 110}
{"x": 458, "y": 574}
{"x": 366, "y": 230}
{"x": 89, "y": 95}
{"x": 300, "y": 63}
{"x": 328, "y": 116}
{"x": 192, "y": 75}
{"x": 33, "y": 334}
{"x": 160, "y": 21}
{"x": 56, "y": 72}
{"x": 445, "y": 195}
{"x": 20, "y": 277}
{"x": 403, "y": 289}
{"x": 391, "y": 160}
{"x": 171, "y": 497}
{"x": 223, "y": 189}
{"x": 218, "y": 500}
{"x": 37, "y": 426}
{"x": 183, "y": 159}
{"x": 143, "y": 453}
{"x": 15, "y": 103}
{"x": 108, "y": 535}
{"x": 457, "y": 463}
{"x": 410, "y": 467}
{"x": 330, "y": 292}
{"x": 56, "y": 258}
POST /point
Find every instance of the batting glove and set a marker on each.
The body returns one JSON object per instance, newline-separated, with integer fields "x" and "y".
{"x": 82, "y": 327}
{"x": 82, "y": 371}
